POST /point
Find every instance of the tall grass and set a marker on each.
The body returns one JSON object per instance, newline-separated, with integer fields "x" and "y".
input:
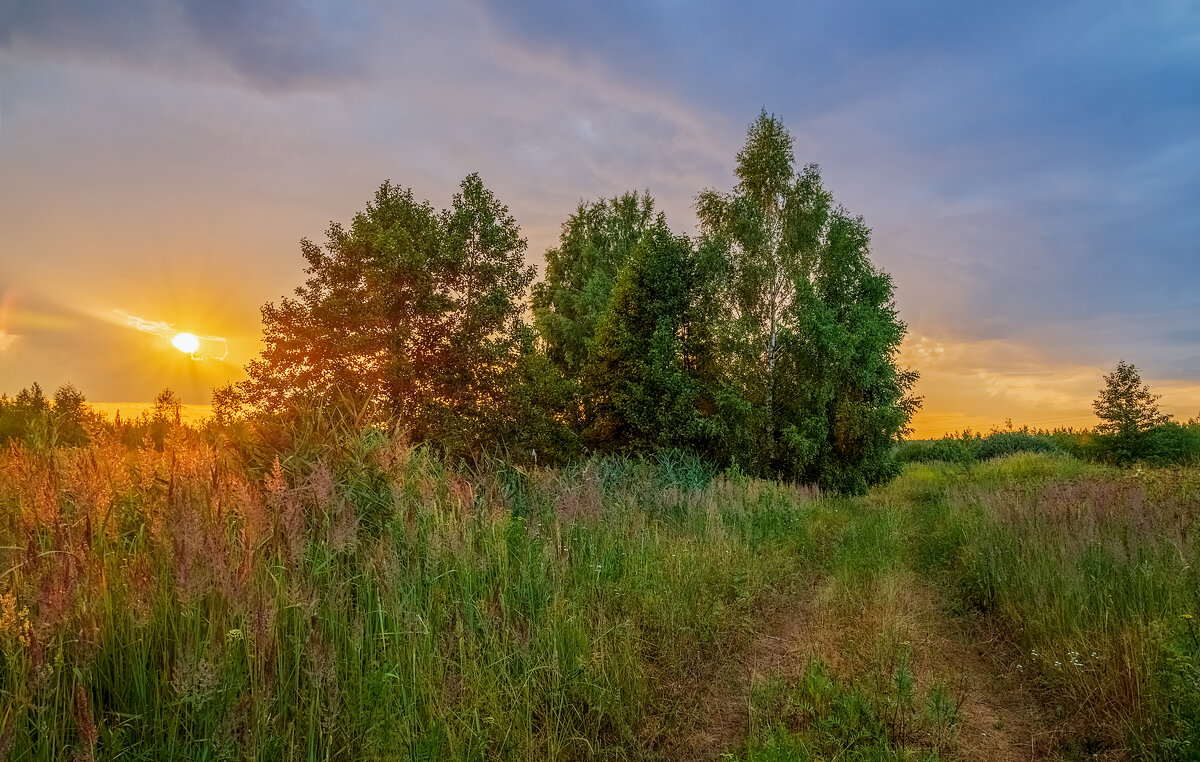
{"x": 1092, "y": 574}
{"x": 342, "y": 595}
{"x": 196, "y": 603}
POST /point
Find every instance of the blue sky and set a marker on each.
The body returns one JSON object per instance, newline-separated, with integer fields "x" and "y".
{"x": 1031, "y": 171}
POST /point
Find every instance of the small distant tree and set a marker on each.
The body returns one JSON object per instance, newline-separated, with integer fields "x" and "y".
{"x": 167, "y": 412}
{"x": 70, "y": 411}
{"x": 1127, "y": 410}
{"x": 1126, "y": 406}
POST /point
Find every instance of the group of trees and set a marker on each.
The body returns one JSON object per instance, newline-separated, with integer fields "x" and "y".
{"x": 768, "y": 342}
{"x": 31, "y": 416}
{"x": 67, "y": 420}
{"x": 1132, "y": 429}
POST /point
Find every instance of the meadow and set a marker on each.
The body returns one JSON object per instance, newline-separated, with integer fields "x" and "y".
{"x": 342, "y": 594}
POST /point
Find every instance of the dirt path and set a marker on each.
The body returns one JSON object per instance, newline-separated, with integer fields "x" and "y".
{"x": 998, "y": 719}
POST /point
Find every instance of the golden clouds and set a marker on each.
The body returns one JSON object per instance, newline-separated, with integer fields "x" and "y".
{"x": 193, "y": 345}
{"x": 984, "y": 384}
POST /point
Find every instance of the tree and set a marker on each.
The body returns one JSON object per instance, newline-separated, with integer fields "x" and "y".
{"x": 409, "y": 314}
{"x": 647, "y": 366}
{"x": 70, "y": 411}
{"x": 810, "y": 388}
{"x": 844, "y": 400}
{"x": 19, "y": 415}
{"x": 1126, "y": 405}
{"x": 581, "y": 273}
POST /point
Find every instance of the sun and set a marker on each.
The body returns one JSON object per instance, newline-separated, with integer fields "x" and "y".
{"x": 186, "y": 343}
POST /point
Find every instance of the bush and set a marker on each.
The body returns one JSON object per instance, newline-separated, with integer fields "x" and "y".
{"x": 1168, "y": 444}
{"x": 947, "y": 450}
{"x": 1001, "y": 443}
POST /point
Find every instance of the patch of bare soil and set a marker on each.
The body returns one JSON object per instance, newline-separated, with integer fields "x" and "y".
{"x": 999, "y": 720}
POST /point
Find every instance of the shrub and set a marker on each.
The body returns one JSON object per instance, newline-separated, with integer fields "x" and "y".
{"x": 1001, "y": 443}
{"x": 947, "y": 450}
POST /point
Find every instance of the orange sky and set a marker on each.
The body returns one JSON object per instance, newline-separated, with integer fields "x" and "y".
{"x": 980, "y": 385}
{"x": 1031, "y": 192}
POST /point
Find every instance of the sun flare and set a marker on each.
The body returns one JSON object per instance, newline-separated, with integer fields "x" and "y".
{"x": 186, "y": 343}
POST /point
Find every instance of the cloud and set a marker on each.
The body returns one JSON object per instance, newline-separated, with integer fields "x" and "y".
{"x": 209, "y": 347}
{"x": 1028, "y": 170}
{"x": 267, "y": 45}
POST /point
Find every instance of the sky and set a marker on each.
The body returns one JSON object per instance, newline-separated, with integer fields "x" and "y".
{"x": 1030, "y": 171}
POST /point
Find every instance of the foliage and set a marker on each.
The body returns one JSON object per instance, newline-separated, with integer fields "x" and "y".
{"x": 1126, "y": 407}
{"x": 581, "y": 272}
{"x": 809, "y": 332}
{"x": 651, "y": 357}
{"x": 770, "y": 344}
{"x": 1127, "y": 411}
{"x": 410, "y": 313}
{"x": 45, "y": 423}
{"x": 999, "y": 444}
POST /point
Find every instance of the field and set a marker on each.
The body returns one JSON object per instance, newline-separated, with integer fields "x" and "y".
{"x": 356, "y": 598}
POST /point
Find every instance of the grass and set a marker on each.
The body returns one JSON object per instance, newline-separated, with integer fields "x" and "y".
{"x": 359, "y": 598}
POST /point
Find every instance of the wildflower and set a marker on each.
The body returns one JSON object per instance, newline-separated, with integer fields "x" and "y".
{"x": 234, "y": 636}
{"x": 14, "y": 622}
{"x": 1185, "y": 616}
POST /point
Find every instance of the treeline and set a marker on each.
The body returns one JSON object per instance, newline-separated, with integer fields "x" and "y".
{"x": 1169, "y": 444}
{"x": 33, "y": 417}
{"x": 1132, "y": 430}
{"x": 66, "y": 420}
{"x": 768, "y": 342}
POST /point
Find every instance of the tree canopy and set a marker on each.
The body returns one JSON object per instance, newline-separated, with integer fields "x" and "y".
{"x": 410, "y": 313}
{"x": 811, "y": 389}
{"x": 1126, "y": 405}
{"x": 768, "y": 342}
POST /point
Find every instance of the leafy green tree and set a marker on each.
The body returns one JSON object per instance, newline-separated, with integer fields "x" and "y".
{"x": 651, "y": 356}
{"x": 408, "y": 314}
{"x": 811, "y": 389}
{"x": 1125, "y": 405}
{"x": 847, "y": 399}
{"x": 569, "y": 303}
{"x": 1128, "y": 412}
{"x": 541, "y": 409}
{"x": 759, "y": 228}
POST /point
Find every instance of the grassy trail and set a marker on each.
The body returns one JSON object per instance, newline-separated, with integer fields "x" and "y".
{"x": 871, "y": 623}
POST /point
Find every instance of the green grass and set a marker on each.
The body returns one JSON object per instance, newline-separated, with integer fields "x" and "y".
{"x": 365, "y": 600}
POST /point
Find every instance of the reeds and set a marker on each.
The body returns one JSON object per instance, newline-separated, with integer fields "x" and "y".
{"x": 361, "y": 600}
{"x": 1092, "y": 575}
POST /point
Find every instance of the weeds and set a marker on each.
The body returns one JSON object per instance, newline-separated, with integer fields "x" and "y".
{"x": 365, "y": 599}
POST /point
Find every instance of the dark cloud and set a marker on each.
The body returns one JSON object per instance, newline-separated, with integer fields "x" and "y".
{"x": 270, "y": 45}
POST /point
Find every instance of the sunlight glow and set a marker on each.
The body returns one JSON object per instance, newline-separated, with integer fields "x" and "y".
{"x": 186, "y": 343}
{"x": 193, "y": 345}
